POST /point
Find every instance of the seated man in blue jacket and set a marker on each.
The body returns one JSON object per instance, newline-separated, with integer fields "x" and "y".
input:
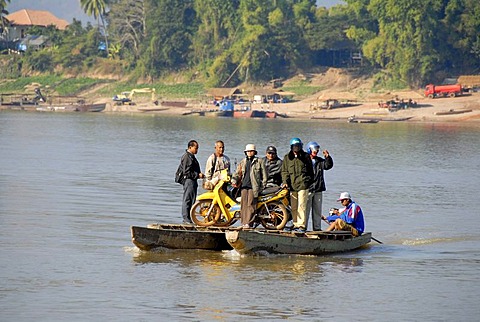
{"x": 349, "y": 219}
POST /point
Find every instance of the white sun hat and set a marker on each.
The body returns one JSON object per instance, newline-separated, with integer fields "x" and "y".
{"x": 250, "y": 147}
{"x": 344, "y": 195}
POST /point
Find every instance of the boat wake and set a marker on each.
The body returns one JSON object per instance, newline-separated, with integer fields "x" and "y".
{"x": 427, "y": 241}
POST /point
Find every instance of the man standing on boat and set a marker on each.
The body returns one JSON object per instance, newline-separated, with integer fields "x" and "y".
{"x": 251, "y": 178}
{"x": 190, "y": 172}
{"x": 273, "y": 164}
{"x": 349, "y": 219}
{"x": 216, "y": 162}
{"x": 315, "y": 195}
{"x": 297, "y": 175}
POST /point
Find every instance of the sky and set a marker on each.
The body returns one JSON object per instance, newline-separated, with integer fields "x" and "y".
{"x": 69, "y": 9}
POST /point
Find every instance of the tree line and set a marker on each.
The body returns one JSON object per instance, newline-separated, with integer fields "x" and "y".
{"x": 235, "y": 41}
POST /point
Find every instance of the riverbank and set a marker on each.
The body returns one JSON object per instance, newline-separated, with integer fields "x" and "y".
{"x": 458, "y": 109}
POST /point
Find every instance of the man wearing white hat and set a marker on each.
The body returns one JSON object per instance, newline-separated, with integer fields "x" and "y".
{"x": 349, "y": 219}
{"x": 251, "y": 178}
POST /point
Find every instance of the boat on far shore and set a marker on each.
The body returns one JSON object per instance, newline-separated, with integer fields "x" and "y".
{"x": 453, "y": 112}
{"x": 38, "y": 102}
{"x": 71, "y": 108}
{"x": 353, "y": 119}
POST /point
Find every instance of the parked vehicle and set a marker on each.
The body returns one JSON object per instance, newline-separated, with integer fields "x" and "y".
{"x": 126, "y": 98}
{"x": 432, "y": 91}
{"x": 220, "y": 208}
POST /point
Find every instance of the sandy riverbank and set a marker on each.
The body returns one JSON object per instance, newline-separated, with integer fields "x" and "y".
{"x": 428, "y": 110}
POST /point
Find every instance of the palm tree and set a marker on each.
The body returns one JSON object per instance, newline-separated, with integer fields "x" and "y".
{"x": 3, "y": 20}
{"x": 96, "y": 8}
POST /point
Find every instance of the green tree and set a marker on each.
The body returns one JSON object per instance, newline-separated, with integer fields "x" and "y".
{"x": 170, "y": 26}
{"x": 127, "y": 26}
{"x": 407, "y": 41}
{"x": 97, "y": 9}
{"x": 218, "y": 24}
{"x": 462, "y": 25}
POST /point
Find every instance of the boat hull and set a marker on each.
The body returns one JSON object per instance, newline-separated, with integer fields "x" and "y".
{"x": 276, "y": 242}
{"x": 179, "y": 237}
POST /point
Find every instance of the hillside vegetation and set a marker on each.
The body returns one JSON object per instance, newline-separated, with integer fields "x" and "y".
{"x": 231, "y": 43}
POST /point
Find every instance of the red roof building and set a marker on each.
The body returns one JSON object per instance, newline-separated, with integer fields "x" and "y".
{"x": 21, "y": 20}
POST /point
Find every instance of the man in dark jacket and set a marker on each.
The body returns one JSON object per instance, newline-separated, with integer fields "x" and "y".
{"x": 274, "y": 167}
{"x": 191, "y": 172}
{"x": 315, "y": 195}
{"x": 297, "y": 174}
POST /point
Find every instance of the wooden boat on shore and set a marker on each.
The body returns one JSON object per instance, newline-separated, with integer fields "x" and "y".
{"x": 453, "y": 112}
{"x": 179, "y": 237}
{"x": 71, "y": 108}
{"x": 280, "y": 242}
{"x": 352, "y": 119}
{"x": 152, "y": 109}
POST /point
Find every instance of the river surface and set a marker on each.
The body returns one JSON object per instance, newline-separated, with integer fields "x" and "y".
{"x": 71, "y": 185}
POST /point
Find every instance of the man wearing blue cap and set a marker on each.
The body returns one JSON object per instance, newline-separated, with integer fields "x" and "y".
{"x": 297, "y": 175}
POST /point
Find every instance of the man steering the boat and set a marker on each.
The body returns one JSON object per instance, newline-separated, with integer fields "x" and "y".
{"x": 349, "y": 219}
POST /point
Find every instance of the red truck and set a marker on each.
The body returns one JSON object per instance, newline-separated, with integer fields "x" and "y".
{"x": 432, "y": 91}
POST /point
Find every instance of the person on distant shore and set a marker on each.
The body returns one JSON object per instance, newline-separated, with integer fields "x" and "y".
{"x": 297, "y": 175}
{"x": 315, "y": 195}
{"x": 191, "y": 172}
{"x": 216, "y": 162}
{"x": 251, "y": 178}
{"x": 273, "y": 164}
{"x": 349, "y": 219}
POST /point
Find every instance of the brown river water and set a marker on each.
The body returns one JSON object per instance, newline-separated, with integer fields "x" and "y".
{"x": 71, "y": 185}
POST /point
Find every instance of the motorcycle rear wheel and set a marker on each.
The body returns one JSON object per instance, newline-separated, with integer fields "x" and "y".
{"x": 200, "y": 216}
{"x": 275, "y": 218}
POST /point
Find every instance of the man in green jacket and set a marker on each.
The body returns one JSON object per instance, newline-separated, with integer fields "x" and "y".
{"x": 297, "y": 175}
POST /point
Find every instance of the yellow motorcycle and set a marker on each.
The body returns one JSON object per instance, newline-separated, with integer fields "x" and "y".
{"x": 219, "y": 207}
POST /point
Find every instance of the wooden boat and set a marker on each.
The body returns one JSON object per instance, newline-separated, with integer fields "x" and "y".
{"x": 280, "y": 242}
{"x": 71, "y": 108}
{"x": 152, "y": 109}
{"x": 452, "y": 112}
{"x": 174, "y": 103}
{"x": 179, "y": 237}
{"x": 361, "y": 120}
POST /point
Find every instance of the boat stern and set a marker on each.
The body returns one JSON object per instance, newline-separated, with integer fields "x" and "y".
{"x": 232, "y": 238}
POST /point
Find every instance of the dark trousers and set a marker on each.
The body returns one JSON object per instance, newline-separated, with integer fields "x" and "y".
{"x": 189, "y": 195}
{"x": 248, "y": 205}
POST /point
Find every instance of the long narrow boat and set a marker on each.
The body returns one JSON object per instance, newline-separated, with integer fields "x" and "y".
{"x": 280, "y": 242}
{"x": 179, "y": 237}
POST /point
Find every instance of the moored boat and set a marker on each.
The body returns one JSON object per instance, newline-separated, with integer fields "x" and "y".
{"x": 353, "y": 119}
{"x": 71, "y": 107}
{"x": 280, "y": 242}
{"x": 179, "y": 237}
{"x": 452, "y": 112}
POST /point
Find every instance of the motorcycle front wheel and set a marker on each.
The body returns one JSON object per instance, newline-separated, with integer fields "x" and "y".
{"x": 204, "y": 213}
{"x": 273, "y": 216}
